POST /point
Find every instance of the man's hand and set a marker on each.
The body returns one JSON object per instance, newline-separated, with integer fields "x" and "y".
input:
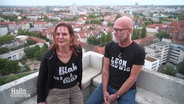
{"x": 112, "y": 98}
{"x": 106, "y": 97}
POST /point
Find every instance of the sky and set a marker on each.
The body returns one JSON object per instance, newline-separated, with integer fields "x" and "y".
{"x": 87, "y": 2}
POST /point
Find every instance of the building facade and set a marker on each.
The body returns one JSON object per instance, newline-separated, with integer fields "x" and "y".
{"x": 158, "y": 50}
{"x": 176, "y": 53}
{"x": 151, "y": 63}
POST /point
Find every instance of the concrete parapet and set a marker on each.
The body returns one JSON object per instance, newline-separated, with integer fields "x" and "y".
{"x": 162, "y": 85}
{"x": 18, "y": 90}
{"x": 156, "y": 88}
{"x": 92, "y": 66}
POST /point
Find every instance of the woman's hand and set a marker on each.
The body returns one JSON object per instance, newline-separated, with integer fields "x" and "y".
{"x": 81, "y": 86}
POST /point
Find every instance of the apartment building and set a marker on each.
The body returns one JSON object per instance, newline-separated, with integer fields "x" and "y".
{"x": 14, "y": 55}
{"x": 176, "y": 53}
{"x": 3, "y": 31}
{"x": 158, "y": 50}
{"x": 151, "y": 63}
{"x": 17, "y": 54}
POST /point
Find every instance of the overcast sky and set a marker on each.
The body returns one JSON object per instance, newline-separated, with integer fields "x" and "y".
{"x": 88, "y": 2}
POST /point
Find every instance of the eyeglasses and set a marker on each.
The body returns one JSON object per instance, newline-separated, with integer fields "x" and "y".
{"x": 119, "y": 30}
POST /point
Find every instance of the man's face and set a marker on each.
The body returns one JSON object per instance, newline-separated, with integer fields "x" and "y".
{"x": 120, "y": 34}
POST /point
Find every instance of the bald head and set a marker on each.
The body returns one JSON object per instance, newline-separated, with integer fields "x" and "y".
{"x": 123, "y": 22}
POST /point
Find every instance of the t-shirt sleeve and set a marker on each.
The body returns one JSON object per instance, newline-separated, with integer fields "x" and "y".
{"x": 140, "y": 57}
{"x": 107, "y": 52}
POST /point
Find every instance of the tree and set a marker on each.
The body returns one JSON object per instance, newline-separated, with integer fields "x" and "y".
{"x": 29, "y": 42}
{"x": 6, "y": 39}
{"x": 93, "y": 40}
{"x": 162, "y": 34}
{"x": 181, "y": 68}
{"x": 11, "y": 66}
{"x": 103, "y": 39}
{"x": 87, "y": 22}
{"x": 160, "y": 20}
{"x": 138, "y": 32}
{"x": 93, "y": 16}
{"x": 169, "y": 70}
{"x": 135, "y": 34}
{"x": 110, "y": 24}
{"x": 118, "y": 16}
{"x": 96, "y": 41}
{"x": 24, "y": 18}
{"x": 29, "y": 52}
{"x": 4, "y": 50}
{"x": 90, "y": 40}
{"x": 147, "y": 23}
{"x": 143, "y": 32}
{"x": 133, "y": 37}
{"x": 38, "y": 54}
{"x": 46, "y": 18}
{"x": 10, "y": 17}
{"x": 2, "y": 65}
{"x": 96, "y": 22}
{"x": 109, "y": 36}
{"x": 44, "y": 48}
{"x": 20, "y": 32}
{"x": 71, "y": 19}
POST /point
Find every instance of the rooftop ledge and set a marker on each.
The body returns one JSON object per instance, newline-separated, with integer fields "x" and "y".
{"x": 152, "y": 87}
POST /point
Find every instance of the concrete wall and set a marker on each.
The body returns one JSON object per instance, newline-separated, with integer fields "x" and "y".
{"x": 92, "y": 59}
{"x": 163, "y": 85}
{"x": 18, "y": 90}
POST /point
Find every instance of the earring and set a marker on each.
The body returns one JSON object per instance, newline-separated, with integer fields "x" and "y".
{"x": 71, "y": 44}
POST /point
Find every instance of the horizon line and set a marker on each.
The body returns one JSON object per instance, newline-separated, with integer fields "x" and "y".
{"x": 94, "y": 5}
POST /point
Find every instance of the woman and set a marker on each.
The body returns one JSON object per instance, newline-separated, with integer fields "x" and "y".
{"x": 60, "y": 74}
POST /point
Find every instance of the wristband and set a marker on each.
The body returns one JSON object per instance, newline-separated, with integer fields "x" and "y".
{"x": 117, "y": 96}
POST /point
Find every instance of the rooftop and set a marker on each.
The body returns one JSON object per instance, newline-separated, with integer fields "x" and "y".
{"x": 150, "y": 59}
{"x": 161, "y": 43}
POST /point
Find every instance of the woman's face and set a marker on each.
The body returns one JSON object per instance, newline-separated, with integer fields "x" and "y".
{"x": 63, "y": 37}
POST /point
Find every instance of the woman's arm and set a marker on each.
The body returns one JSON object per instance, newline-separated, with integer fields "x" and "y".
{"x": 42, "y": 81}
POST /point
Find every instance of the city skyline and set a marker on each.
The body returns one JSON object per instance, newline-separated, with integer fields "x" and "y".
{"x": 87, "y": 2}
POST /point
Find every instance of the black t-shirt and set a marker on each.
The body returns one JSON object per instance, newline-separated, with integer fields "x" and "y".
{"x": 121, "y": 62}
{"x": 65, "y": 75}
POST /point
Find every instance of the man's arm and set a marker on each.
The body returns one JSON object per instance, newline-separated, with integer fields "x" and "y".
{"x": 105, "y": 78}
{"x": 136, "y": 69}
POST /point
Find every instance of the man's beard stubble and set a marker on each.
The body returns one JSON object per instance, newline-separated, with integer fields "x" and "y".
{"x": 122, "y": 39}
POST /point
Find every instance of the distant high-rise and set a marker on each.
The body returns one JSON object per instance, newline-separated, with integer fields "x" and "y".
{"x": 136, "y": 4}
{"x": 73, "y": 9}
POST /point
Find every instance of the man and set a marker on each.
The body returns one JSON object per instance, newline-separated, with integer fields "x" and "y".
{"x": 123, "y": 61}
